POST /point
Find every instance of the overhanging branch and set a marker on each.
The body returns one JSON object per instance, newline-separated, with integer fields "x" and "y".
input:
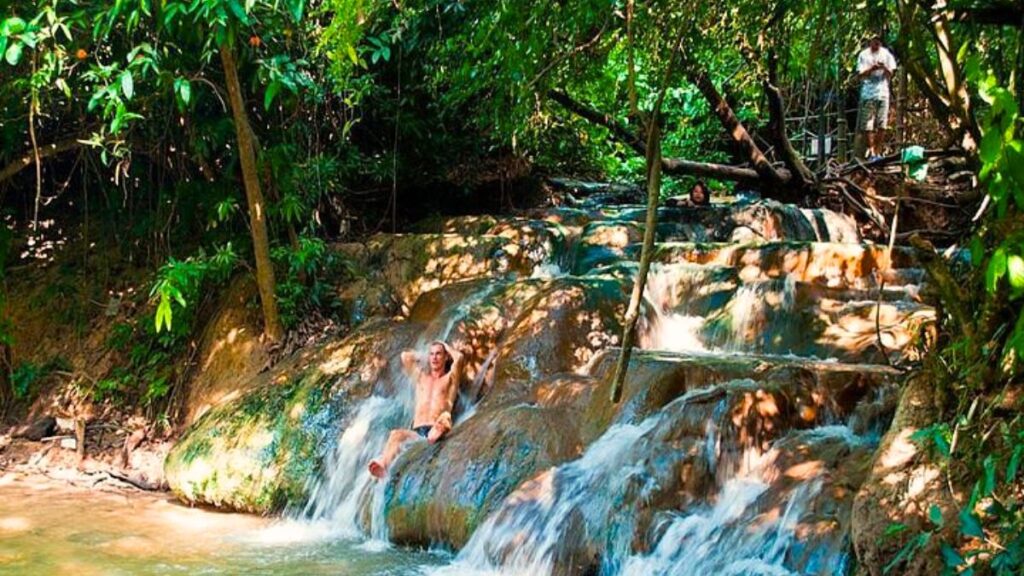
{"x": 45, "y": 151}
{"x": 672, "y": 166}
{"x": 620, "y": 132}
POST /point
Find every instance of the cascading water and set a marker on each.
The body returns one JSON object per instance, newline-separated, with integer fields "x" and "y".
{"x": 346, "y": 497}
{"x": 347, "y": 489}
{"x": 558, "y": 521}
{"x": 721, "y": 540}
{"x": 757, "y": 310}
{"x": 676, "y": 306}
{"x": 717, "y": 481}
{"x": 751, "y": 527}
{"x": 526, "y": 534}
{"x": 692, "y": 308}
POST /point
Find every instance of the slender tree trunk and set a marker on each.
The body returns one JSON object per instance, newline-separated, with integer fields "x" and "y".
{"x": 6, "y": 386}
{"x": 634, "y": 110}
{"x": 802, "y": 176}
{"x": 777, "y": 126}
{"x": 44, "y": 151}
{"x": 651, "y": 225}
{"x": 6, "y": 360}
{"x": 952, "y": 75}
{"x": 653, "y": 159}
{"x": 945, "y": 88}
{"x": 272, "y": 327}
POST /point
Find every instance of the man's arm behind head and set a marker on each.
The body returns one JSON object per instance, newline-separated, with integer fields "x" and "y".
{"x": 458, "y": 367}
{"x": 411, "y": 362}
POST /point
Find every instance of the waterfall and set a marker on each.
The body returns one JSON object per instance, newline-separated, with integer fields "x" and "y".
{"x": 674, "y": 312}
{"x": 749, "y": 525}
{"x": 347, "y": 488}
{"x": 698, "y": 484}
{"x": 526, "y": 533}
{"x": 760, "y": 309}
{"x": 691, "y": 308}
{"x": 752, "y": 526}
{"x": 727, "y": 539}
{"x": 346, "y": 497}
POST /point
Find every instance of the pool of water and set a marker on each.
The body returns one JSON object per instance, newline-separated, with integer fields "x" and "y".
{"x": 49, "y": 527}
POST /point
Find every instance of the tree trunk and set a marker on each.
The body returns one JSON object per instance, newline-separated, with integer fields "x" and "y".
{"x": 802, "y": 175}
{"x": 6, "y": 385}
{"x": 650, "y": 228}
{"x": 770, "y": 177}
{"x": 272, "y": 327}
{"x": 773, "y": 181}
{"x": 673, "y": 166}
{"x": 680, "y": 167}
{"x": 946, "y": 91}
{"x": 621, "y": 133}
{"x": 45, "y": 151}
{"x": 956, "y": 86}
{"x": 777, "y": 125}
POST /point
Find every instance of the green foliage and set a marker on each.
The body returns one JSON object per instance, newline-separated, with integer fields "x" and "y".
{"x": 148, "y": 369}
{"x": 147, "y": 378}
{"x": 1002, "y": 157}
{"x": 980, "y": 446}
{"x": 311, "y": 272}
{"x": 23, "y": 378}
{"x": 180, "y": 282}
{"x": 340, "y": 40}
{"x": 27, "y": 376}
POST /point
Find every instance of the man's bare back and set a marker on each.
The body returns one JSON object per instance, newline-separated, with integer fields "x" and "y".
{"x": 435, "y": 393}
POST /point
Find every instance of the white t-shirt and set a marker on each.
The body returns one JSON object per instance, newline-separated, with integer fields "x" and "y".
{"x": 876, "y": 85}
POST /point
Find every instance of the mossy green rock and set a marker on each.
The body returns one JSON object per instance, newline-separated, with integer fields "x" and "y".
{"x": 253, "y": 454}
{"x": 257, "y": 452}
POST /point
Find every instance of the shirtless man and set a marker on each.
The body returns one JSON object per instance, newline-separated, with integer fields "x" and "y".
{"x": 436, "y": 391}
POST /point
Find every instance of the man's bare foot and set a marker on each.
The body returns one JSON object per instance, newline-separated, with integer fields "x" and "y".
{"x": 377, "y": 470}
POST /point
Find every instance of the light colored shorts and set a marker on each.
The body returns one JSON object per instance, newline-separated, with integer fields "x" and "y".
{"x": 873, "y": 114}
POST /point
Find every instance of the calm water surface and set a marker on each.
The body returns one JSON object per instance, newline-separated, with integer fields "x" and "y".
{"x": 48, "y": 527}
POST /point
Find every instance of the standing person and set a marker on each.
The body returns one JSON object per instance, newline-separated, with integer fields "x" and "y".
{"x": 436, "y": 390}
{"x": 875, "y": 65}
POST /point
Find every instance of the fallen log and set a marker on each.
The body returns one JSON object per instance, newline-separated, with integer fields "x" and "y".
{"x": 672, "y": 166}
{"x": 681, "y": 167}
{"x": 767, "y": 173}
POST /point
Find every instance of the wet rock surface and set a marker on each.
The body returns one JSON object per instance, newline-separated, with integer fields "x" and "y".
{"x": 903, "y": 483}
{"x": 561, "y": 328}
{"x": 256, "y": 453}
{"x": 441, "y": 493}
{"x": 763, "y": 325}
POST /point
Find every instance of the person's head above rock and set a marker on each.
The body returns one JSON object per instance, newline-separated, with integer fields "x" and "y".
{"x": 699, "y": 195}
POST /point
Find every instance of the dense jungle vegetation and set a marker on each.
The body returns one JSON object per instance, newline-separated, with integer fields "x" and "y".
{"x": 152, "y": 150}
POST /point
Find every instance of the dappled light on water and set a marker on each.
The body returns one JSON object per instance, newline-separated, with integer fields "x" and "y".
{"x": 745, "y": 425}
